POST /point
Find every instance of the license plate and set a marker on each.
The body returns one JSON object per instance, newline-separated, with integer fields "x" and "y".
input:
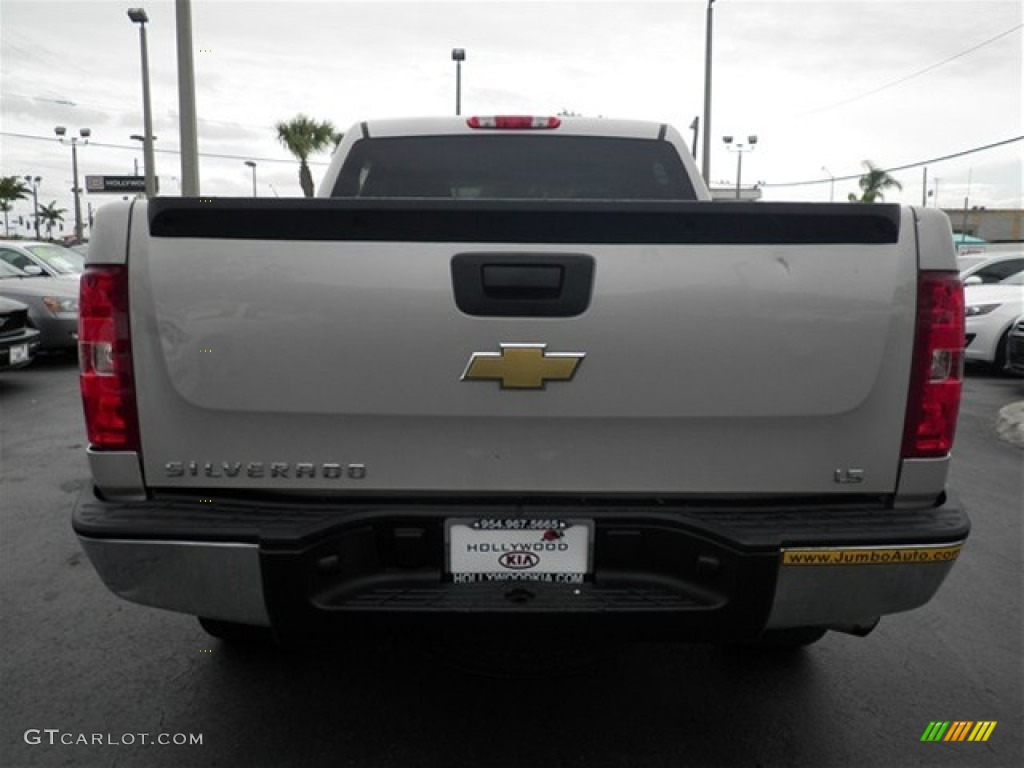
{"x": 519, "y": 550}
{"x": 19, "y": 354}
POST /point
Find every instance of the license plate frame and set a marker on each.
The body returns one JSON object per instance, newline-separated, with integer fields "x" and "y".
{"x": 553, "y": 550}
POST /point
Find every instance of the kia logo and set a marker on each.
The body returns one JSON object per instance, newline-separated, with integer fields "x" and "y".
{"x": 519, "y": 561}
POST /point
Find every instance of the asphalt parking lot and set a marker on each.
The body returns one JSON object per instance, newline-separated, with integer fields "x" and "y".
{"x": 79, "y": 663}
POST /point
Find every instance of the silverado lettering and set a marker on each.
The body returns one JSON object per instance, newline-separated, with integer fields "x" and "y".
{"x": 258, "y": 469}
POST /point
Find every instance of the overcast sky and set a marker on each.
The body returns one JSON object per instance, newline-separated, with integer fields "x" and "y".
{"x": 824, "y": 84}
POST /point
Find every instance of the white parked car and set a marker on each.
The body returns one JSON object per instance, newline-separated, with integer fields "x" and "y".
{"x": 991, "y": 311}
{"x": 39, "y": 258}
{"x": 991, "y": 268}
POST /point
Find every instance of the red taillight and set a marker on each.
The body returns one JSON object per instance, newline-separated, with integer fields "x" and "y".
{"x": 105, "y": 360}
{"x": 514, "y": 122}
{"x": 937, "y": 374}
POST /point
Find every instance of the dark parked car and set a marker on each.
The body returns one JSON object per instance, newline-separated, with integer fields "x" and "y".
{"x": 52, "y": 304}
{"x": 18, "y": 342}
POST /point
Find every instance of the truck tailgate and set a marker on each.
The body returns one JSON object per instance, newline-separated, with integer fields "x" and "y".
{"x": 724, "y": 349}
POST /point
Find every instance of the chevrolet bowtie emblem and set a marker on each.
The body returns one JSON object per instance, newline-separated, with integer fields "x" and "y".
{"x": 522, "y": 366}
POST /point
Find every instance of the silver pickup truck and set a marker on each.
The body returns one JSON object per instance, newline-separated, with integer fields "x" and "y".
{"x": 511, "y": 372}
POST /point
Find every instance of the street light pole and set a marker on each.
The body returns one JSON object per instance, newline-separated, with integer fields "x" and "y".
{"x": 252, "y": 164}
{"x": 34, "y": 181}
{"x": 85, "y": 133}
{"x": 739, "y": 149}
{"x": 138, "y": 16}
{"x": 458, "y": 56}
{"x": 706, "y": 147}
{"x": 141, "y": 140}
{"x": 739, "y": 172}
{"x": 831, "y": 185}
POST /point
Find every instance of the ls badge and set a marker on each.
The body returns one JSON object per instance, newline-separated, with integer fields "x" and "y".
{"x": 522, "y": 366}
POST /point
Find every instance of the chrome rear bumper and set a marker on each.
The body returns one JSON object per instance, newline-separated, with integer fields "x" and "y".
{"x": 694, "y": 573}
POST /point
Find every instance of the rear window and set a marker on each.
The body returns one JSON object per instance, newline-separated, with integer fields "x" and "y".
{"x": 513, "y": 167}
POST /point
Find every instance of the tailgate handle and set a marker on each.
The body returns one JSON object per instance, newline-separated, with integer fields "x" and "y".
{"x": 523, "y": 281}
{"x": 522, "y": 284}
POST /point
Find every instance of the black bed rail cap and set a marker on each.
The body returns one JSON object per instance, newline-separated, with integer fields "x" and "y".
{"x": 523, "y": 221}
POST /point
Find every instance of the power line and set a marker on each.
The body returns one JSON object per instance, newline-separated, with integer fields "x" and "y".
{"x": 908, "y": 166}
{"x": 166, "y": 151}
{"x": 920, "y": 72}
{"x": 809, "y": 182}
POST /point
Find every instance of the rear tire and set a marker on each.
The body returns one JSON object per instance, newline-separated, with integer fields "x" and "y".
{"x": 791, "y": 639}
{"x": 781, "y": 641}
{"x": 1002, "y": 349}
{"x": 235, "y": 633}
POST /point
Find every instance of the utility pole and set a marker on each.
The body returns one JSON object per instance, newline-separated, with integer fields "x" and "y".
{"x": 187, "y": 100}
{"x": 706, "y": 149}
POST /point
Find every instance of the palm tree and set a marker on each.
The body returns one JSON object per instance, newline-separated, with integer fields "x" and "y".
{"x": 873, "y": 183}
{"x": 303, "y": 136}
{"x": 6, "y": 206}
{"x": 51, "y": 214}
{"x": 11, "y": 188}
